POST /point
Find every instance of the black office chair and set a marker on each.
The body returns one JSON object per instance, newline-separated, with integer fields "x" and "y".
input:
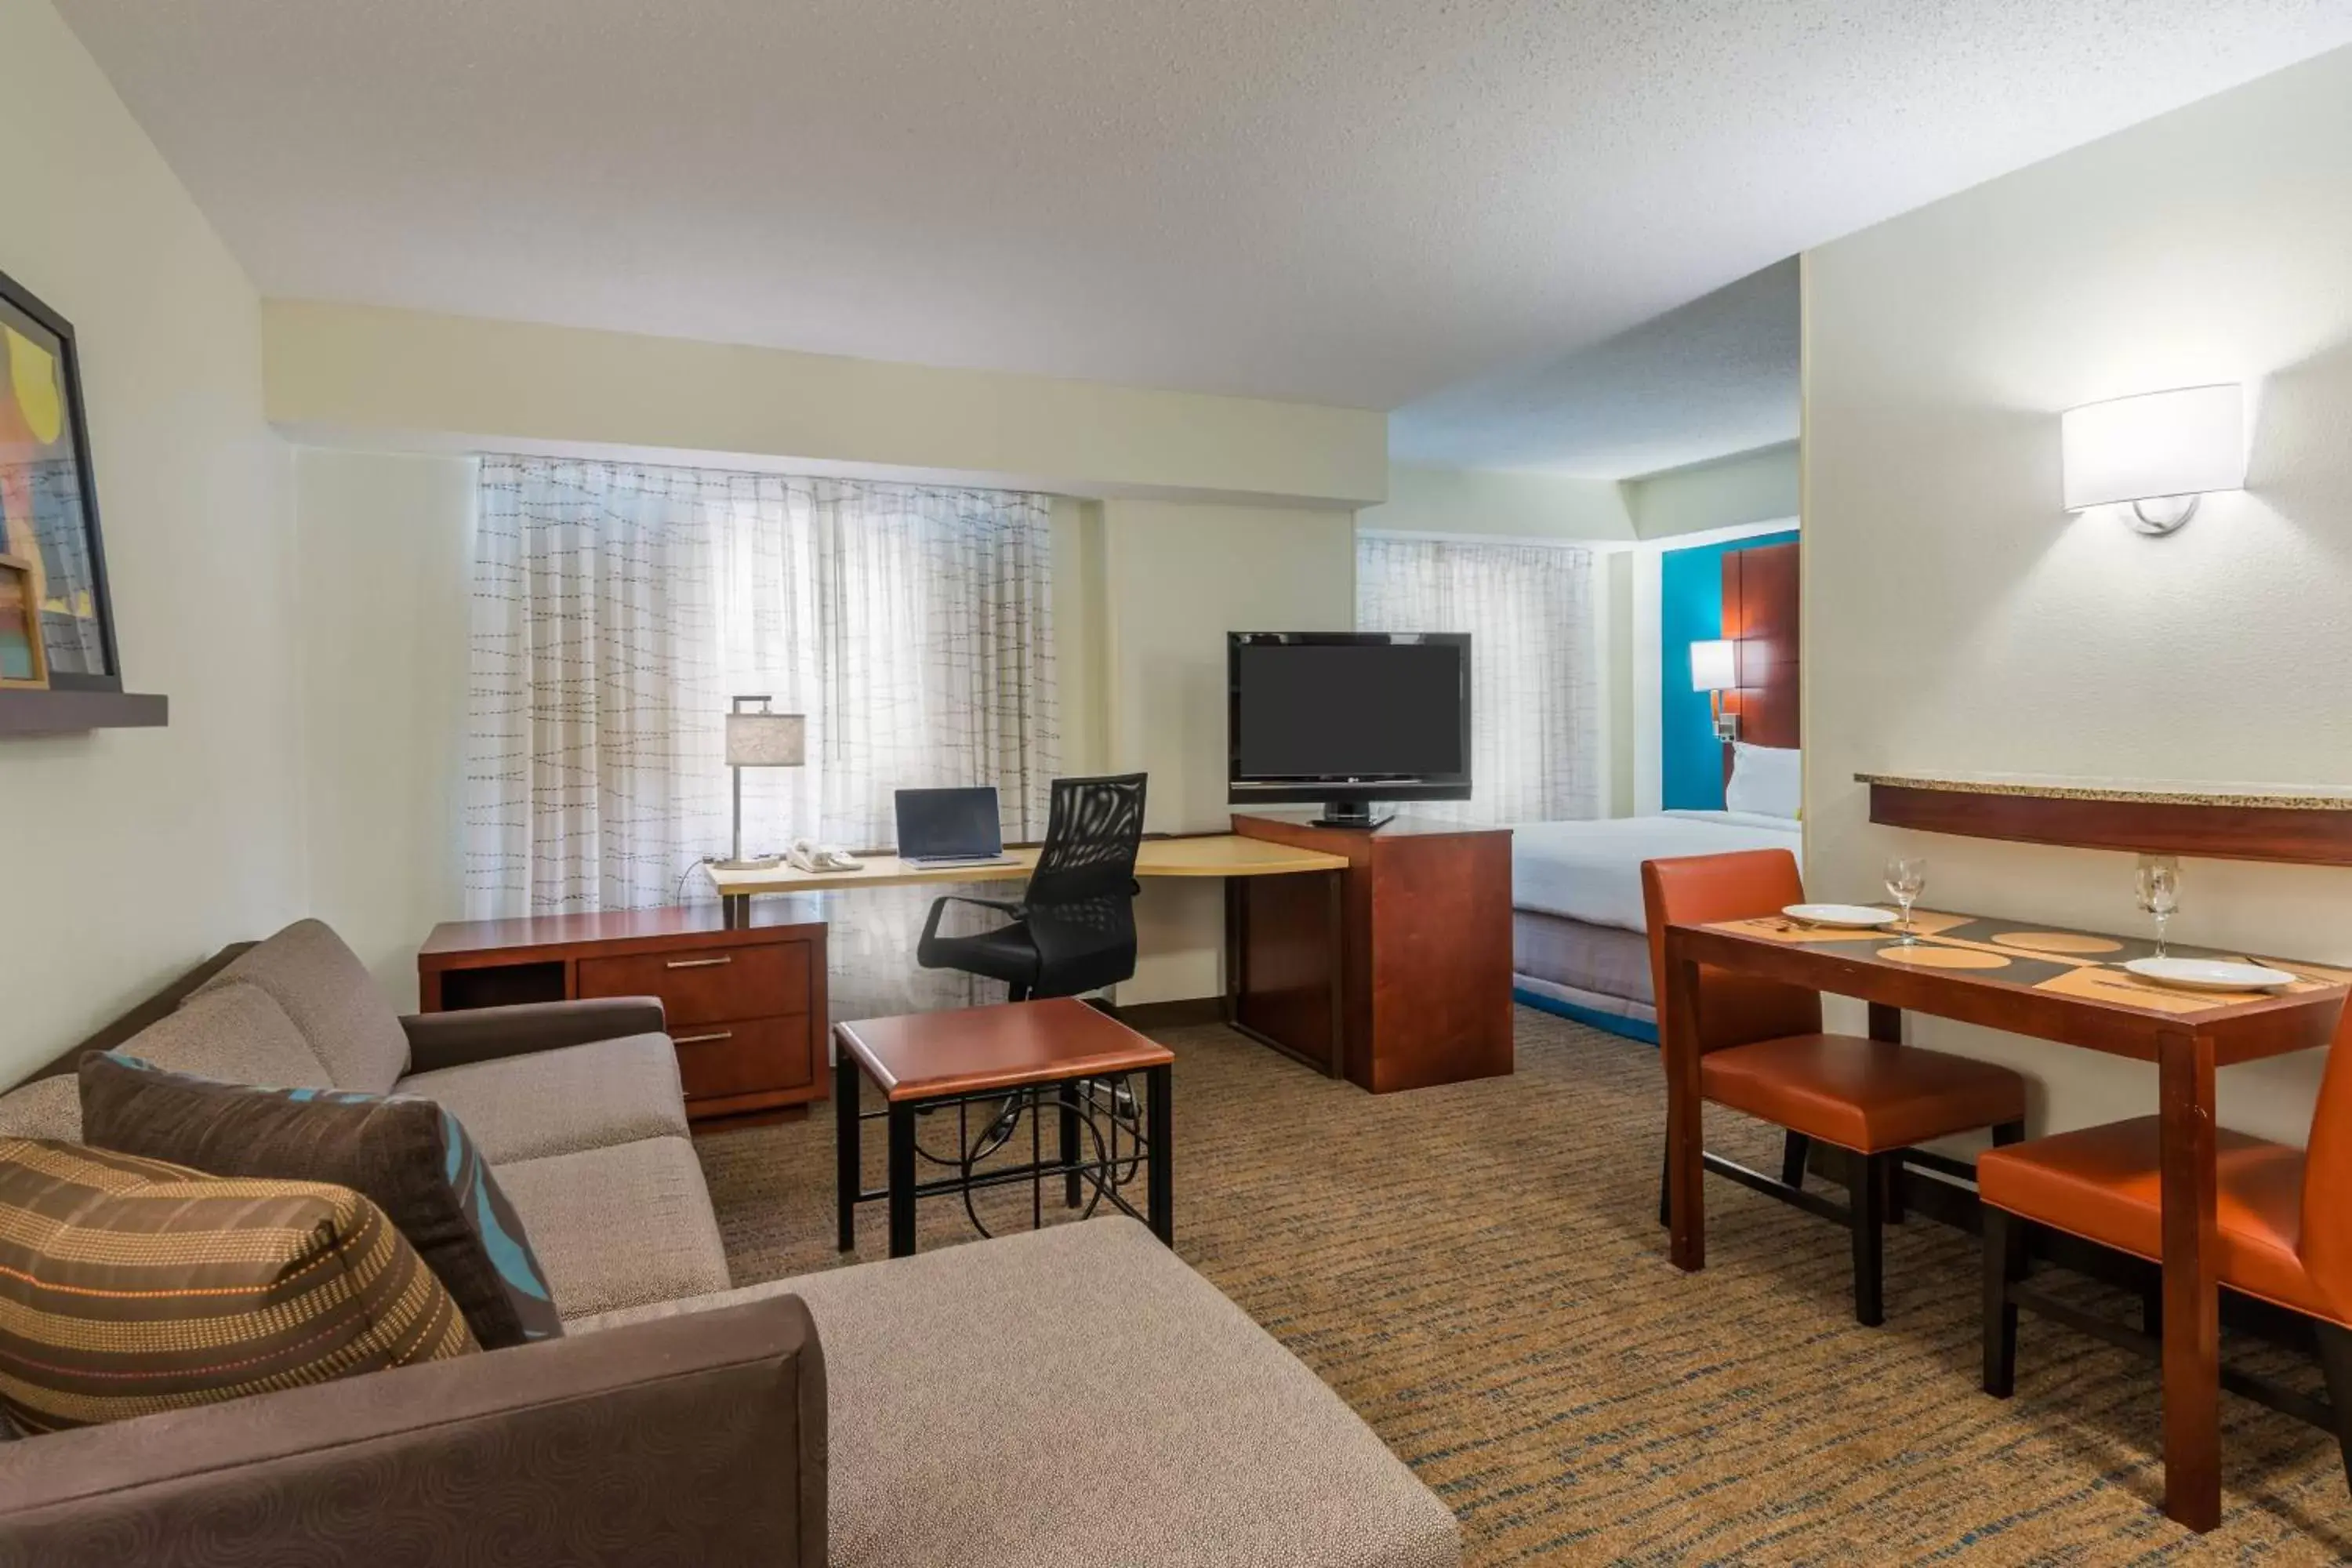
{"x": 1074, "y": 928}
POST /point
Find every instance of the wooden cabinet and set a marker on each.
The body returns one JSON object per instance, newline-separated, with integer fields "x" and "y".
{"x": 746, "y": 1006}
{"x": 1426, "y": 954}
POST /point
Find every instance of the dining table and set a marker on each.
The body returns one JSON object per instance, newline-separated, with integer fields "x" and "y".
{"x": 2068, "y": 988}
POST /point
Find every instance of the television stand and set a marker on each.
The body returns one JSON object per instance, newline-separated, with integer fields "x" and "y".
{"x": 1356, "y": 814}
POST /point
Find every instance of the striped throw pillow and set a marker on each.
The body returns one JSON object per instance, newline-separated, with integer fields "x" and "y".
{"x": 131, "y": 1286}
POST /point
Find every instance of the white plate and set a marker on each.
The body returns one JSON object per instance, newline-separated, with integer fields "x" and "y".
{"x": 2209, "y": 975}
{"x": 1844, "y": 917}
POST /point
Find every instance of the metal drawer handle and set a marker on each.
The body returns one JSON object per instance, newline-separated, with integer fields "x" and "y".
{"x": 696, "y": 963}
{"x": 703, "y": 1039}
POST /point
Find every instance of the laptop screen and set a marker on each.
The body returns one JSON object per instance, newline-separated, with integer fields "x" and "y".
{"x": 948, "y": 823}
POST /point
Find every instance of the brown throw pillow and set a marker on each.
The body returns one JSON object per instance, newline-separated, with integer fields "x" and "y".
{"x": 128, "y": 1287}
{"x": 405, "y": 1154}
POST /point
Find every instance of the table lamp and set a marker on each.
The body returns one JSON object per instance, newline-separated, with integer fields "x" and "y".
{"x": 1715, "y": 670}
{"x": 759, "y": 738}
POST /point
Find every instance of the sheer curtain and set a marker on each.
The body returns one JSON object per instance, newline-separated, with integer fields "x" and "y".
{"x": 618, "y": 607}
{"x": 1534, "y": 702}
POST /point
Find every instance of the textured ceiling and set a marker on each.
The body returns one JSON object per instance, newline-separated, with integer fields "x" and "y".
{"x": 1351, "y": 201}
{"x": 1715, "y": 376}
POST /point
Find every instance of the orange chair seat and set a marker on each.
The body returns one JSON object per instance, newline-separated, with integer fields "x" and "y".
{"x": 2103, "y": 1183}
{"x": 1869, "y": 1095}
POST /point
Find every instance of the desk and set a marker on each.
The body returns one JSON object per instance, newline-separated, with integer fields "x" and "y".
{"x": 2070, "y": 993}
{"x": 1215, "y": 855}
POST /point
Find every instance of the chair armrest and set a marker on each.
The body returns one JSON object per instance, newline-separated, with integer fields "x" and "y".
{"x": 486, "y": 1034}
{"x": 696, "y": 1439}
{"x": 1002, "y": 906}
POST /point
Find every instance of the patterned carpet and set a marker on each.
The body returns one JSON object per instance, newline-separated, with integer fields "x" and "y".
{"x": 1475, "y": 1270}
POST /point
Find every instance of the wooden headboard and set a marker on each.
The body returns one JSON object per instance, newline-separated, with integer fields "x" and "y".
{"x": 1760, "y": 618}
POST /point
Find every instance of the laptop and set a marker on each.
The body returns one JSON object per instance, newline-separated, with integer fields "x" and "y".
{"x": 949, "y": 827}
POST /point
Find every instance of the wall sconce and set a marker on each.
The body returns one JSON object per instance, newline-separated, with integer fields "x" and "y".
{"x": 2159, "y": 451}
{"x": 1715, "y": 670}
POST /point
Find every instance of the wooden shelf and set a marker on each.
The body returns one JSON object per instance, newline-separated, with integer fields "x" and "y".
{"x": 65, "y": 712}
{"x": 2299, "y": 828}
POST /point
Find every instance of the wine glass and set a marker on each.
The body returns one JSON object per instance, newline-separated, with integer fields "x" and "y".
{"x": 1906, "y": 875}
{"x": 2158, "y": 885}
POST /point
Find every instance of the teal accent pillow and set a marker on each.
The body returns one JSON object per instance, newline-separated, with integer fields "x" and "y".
{"x": 403, "y": 1152}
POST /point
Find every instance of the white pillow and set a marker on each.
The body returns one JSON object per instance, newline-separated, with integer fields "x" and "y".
{"x": 1767, "y": 780}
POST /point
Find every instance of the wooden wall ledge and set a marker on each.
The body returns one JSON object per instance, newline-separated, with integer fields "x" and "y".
{"x": 2308, "y": 828}
{"x": 65, "y": 712}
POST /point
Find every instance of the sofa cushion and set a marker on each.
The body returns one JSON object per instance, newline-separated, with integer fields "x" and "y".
{"x": 620, "y": 1226}
{"x": 45, "y": 1108}
{"x": 133, "y": 1286}
{"x": 409, "y": 1157}
{"x": 235, "y": 1033}
{"x": 1100, "y": 1394}
{"x": 556, "y": 1102}
{"x": 334, "y": 1001}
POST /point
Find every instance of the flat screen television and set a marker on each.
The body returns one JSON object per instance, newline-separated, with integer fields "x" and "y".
{"x": 1346, "y": 718}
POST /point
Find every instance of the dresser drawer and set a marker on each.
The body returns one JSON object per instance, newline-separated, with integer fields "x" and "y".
{"x": 708, "y": 985}
{"x": 746, "y": 1057}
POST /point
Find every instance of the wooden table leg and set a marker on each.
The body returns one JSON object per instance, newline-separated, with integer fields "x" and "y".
{"x": 1159, "y": 1159}
{"x": 848, "y": 1166}
{"x": 1337, "y": 897}
{"x": 1686, "y": 1135}
{"x": 2192, "y": 1354}
{"x": 902, "y": 1180}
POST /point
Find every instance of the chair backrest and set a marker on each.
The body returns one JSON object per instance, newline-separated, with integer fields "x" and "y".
{"x": 1080, "y": 906}
{"x": 2324, "y": 1241}
{"x": 1699, "y": 889}
{"x": 1093, "y": 830}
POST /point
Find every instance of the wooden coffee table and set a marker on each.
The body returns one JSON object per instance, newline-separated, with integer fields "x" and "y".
{"x": 985, "y": 1055}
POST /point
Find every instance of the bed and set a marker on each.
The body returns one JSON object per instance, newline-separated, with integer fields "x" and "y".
{"x": 1578, "y": 945}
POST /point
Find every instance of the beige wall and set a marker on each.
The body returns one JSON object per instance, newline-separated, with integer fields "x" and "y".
{"x": 1957, "y": 619}
{"x": 1728, "y": 493}
{"x": 337, "y": 370}
{"x": 385, "y": 546}
{"x": 1177, "y": 579}
{"x": 1497, "y": 503}
{"x": 132, "y": 855}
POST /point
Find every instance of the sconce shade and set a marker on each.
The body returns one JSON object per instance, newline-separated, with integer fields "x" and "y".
{"x": 766, "y": 740}
{"x": 1715, "y": 667}
{"x": 2188, "y": 442}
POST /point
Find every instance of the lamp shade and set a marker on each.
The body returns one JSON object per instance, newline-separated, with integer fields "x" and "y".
{"x": 2186, "y": 442}
{"x": 1715, "y": 667}
{"x": 766, "y": 740}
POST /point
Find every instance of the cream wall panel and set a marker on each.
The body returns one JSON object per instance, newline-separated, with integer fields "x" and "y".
{"x": 1957, "y": 619}
{"x": 1177, "y": 578}
{"x": 1730, "y": 492}
{"x": 347, "y": 370}
{"x": 385, "y": 546}
{"x": 1496, "y": 503}
{"x": 132, "y": 854}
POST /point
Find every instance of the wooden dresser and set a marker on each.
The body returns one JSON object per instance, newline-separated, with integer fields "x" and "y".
{"x": 746, "y": 1006}
{"x": 1425, "y": 952}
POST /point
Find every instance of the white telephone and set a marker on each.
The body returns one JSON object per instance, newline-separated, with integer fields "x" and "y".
{"x": 807, "y": 857}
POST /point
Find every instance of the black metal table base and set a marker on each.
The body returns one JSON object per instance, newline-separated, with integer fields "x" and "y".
{"x": 1084, "y": 1107}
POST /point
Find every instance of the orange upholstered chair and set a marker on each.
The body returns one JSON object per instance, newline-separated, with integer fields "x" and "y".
{"x": 1762, "y": 1052}
{"x": 2284, "y": 1231}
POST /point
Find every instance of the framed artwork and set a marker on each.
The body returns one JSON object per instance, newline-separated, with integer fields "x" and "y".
{"x": 56, "y": 623}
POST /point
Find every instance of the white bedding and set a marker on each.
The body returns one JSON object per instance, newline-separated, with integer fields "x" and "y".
{"x": 1591, "y": 871}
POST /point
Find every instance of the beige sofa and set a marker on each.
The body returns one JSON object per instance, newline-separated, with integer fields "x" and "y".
{"x": 1075, "y": 1396}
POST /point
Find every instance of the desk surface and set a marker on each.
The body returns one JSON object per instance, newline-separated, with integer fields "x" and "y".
{"x": 1211, "y": 854}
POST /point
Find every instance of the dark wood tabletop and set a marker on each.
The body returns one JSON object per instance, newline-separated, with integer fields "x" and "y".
{"x": 2034, "y": 979}
{"x": 974, "y": 1050}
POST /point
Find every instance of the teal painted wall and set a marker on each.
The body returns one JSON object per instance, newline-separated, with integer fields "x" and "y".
{"x": 1690, "y": 609}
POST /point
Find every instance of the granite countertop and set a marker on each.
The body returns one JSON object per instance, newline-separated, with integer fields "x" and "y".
{"x": 2276, "y": 797}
